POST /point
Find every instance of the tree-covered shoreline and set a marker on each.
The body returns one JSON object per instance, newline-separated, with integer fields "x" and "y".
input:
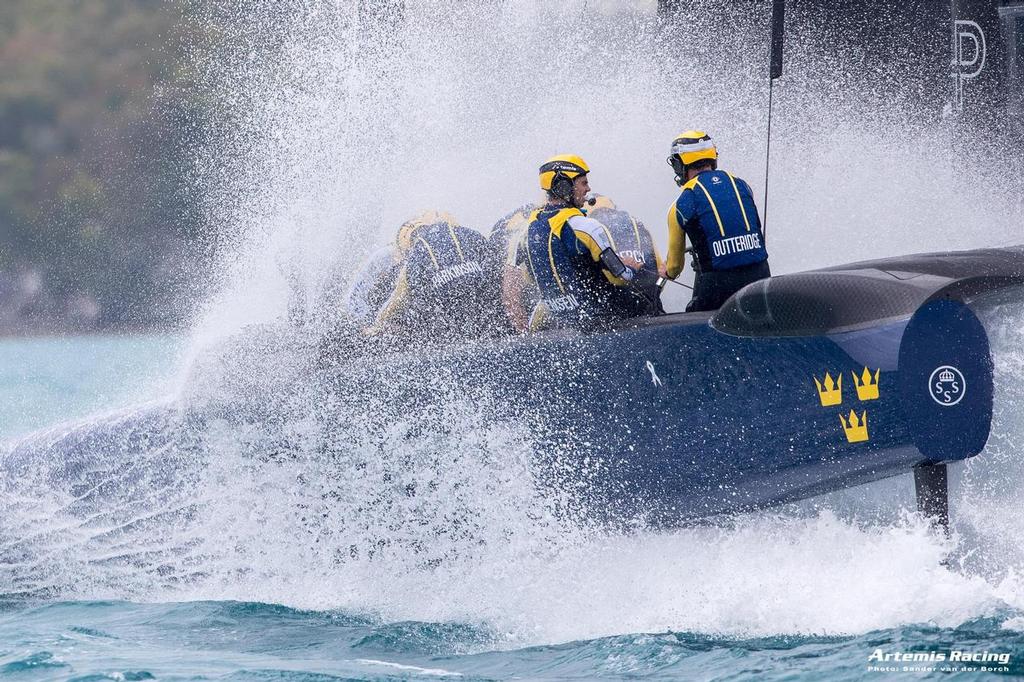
{"x": 100, "y": 219}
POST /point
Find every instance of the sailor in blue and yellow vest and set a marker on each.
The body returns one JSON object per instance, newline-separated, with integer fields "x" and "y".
{"x": 569, "y": 257}
{"x": 442, "y": 291}
{"x": 516, "y": 296}
{"x": 369, "y": 288}
{"x": 632, "y": 241}
{"x": 715, "y": 210}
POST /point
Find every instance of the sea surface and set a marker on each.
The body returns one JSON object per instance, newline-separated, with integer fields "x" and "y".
{"x": 237, "y": 589}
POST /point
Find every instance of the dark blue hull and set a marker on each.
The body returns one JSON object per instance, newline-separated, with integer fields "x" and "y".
{"x": 689, "y": 415}
{"x": 664, "y": 420}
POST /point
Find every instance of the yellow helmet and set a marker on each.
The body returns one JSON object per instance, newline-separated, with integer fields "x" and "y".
{"x": 688, "y": 148}
{"x": 558, "y": 173}
{"x": 407, "y": 232}
{"x": 595, "y": 201}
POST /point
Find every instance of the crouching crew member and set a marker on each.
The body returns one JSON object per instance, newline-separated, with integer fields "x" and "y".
{"x": 517, "y": 295}
{"x": 371, "y": 286}
{"x": 569, "y": 256}
{"x": 633, "y": 243}
{"x": 441, "y": 291}
{"x": 716, "y": 212}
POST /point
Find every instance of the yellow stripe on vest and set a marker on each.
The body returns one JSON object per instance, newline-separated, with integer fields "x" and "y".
{"x": 611, "y": 239}
{"x": 458, "y": 246}
{"x": 524, "y": 243}
{"x": 430, "y": 252}
{"x": 636, "y": 232}
{"x": 714, "y": 208}
{"x": 551, "y": 260}
{"x": 738, "y": 199}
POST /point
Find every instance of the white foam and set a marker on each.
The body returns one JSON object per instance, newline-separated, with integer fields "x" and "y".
{"x": 409, "y": 668}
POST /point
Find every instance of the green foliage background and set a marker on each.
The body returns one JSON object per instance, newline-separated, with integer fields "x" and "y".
{"x": 99, "y": 118}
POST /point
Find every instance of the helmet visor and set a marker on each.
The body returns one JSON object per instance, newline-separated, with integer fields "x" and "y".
{"x": 690, "y": 146}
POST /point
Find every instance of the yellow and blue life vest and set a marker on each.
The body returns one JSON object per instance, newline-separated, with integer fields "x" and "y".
{"x": 442, "y": 290}
{"x": 628, "y": 236}
{"x": 564, "y": 267}
{"x": 444, "y": 255}
{"x": 717, "y": 212}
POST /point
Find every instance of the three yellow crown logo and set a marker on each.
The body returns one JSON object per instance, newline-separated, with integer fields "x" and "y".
{"x": 856, "y": 429}
{"x": 831, "y": 393}
{"x": 867, "y": 386}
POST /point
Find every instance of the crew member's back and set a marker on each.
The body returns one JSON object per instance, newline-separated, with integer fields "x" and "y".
{"x": 441, "y": 291}
{"x": 715, "y": 210}
{"x": 633, "y": 243}
{"x": 516, "y": 295}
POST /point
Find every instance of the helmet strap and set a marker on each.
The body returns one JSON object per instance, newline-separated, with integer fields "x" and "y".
{"x": 561, "y": 188}
{"x": 679, "y": 168}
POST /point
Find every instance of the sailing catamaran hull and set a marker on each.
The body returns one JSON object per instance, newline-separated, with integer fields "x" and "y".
{"x": 799, "y": 385}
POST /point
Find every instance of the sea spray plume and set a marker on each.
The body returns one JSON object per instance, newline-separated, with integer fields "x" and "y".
{"x": 301, "y": 92}
{"x": 95, "y": 507}
{"x": 389, "y": 507}
{"x": 987, "y": 497}
{"x": 278, "y": 483}
{"x": 397, "y": 479}
{"x": 376, "y": 119}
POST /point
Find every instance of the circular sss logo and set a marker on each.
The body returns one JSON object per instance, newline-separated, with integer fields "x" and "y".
{"x": 947, "y": 385}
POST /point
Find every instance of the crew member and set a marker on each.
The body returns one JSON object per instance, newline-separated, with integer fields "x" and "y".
{"x": 631, "y": 241}
{"x": 569, "y": 256}
{"x": 441, "y": 290}
{"x": 517, "y": 295}
{"x": 716, "y": 212}
{"x": 372, "y": 285}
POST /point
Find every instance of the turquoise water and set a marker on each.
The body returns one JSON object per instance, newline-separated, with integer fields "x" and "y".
{"x": 46, "y": 380}
{"x": 249, "y": 641}
{"x": 235, "y": 568}
{"x": 237, "y": 640}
